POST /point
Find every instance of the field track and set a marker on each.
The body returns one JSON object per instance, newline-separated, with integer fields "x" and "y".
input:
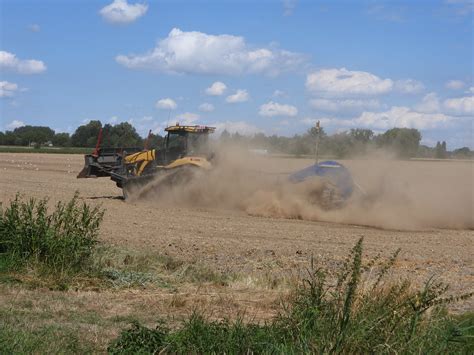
{"x": 233, "y": 241}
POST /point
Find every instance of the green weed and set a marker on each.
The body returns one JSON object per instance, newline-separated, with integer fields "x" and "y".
{"x": 346, "y": 314}
{"x": 62, "y": 242}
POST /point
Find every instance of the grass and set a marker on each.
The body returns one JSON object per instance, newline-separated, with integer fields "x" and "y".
{"x": 63, "y": 242}
{"x": 49, "y": 150}
{"x": 355, "y": 310}
{"x": 135, "y": 268}
{"x": 348, "y": 313}
{"x": 53, "y": 339}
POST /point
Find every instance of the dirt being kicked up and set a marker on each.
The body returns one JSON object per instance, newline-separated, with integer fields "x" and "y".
{"x": 248, "y": 222}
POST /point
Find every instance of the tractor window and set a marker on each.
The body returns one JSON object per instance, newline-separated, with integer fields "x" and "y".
{"x": 176, "y": 141}
{"x": 198, "y": 144}
{"x": 176, "y": 146}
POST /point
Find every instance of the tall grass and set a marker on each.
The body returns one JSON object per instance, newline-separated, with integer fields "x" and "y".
{"x": 344, "y": 313}
{"x": 63, "y": 241}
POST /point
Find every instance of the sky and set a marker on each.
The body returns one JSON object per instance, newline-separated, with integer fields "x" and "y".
{"x": 275, "y": 67}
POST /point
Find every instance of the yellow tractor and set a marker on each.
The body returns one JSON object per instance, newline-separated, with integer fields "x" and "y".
{"x": 185, "y": 148}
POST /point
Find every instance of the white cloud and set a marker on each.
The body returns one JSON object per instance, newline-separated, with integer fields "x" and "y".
{"x": 288, "y": 7}
{"x": 409, "y": 86}
{"x": 216, "y": 89}
{"x": 7, "y": 89}
{"x": 206, "y": 107}
{"x": 460, "y": 105}
{"x": 187, "y": 118}
{"x": 271, "y": 109}
{"x": 455, "y": 84}
{"x": 9, "y": 61}
{"x": 471, "y": 90}
{"x": 400, "y": 116}
{"x": 198, "y": 52}
{"x": 343, "y": 82}
{"x": 240, "y": 127}
{"x": 15, "y": 124}
{"x": 239, "y": 96}
{"x": 120, "y": 12}
{"x": 344, "y": 105}
{"x": 397, "y": 116}
{"x": 166, "y": 104}
{"x": 278, "y": 93}
{"x": 429, "y": 103}
{"x": 34, "y": 27}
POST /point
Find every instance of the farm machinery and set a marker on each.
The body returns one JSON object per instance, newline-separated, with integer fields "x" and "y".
{"x": 186, "y": 150}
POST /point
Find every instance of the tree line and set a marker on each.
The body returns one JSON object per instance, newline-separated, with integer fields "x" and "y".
{"x": 403, "y": 142}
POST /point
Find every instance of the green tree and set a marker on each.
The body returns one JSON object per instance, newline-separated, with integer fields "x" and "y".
{"x": 125, "y": 135}
{"x": 463, "y": 153}
{"x": 403, "y": 141}
{"x": 361, "y": 135}
{"x": 86, "y": 135}
{"x": 61, "y": 140}
{"x": 440, "y": 150}
{"x": 26, "y": 135}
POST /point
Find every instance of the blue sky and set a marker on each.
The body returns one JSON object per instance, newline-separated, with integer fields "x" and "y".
{"x": 248, "y": 66}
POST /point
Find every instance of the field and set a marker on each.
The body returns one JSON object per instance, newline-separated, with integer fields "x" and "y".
{"x": 230, "y": 246}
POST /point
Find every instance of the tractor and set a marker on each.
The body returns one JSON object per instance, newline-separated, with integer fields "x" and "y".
{"x": 185, "y": 149}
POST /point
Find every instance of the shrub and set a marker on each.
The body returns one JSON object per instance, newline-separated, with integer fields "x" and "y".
{"x": 348, "y": 313}
{"x": 63, "y": 241}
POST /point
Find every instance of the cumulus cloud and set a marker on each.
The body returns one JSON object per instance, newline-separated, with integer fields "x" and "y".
{"x": 240, "y": 127}
{"x": 409, "y": 86}
{"x": 206, "y": 107}
{"x": 187, "y": 118}
{"x": 454, "y": 84}
{"x": 271, "y": 109}
{"x": 9, "y": 61}
{"x": 460, "y": 105}
{"x": 344, "y": 105}
{"x": 429, "y": 103}
{"x": 343, "y": 82}
{"x": 202, "y": 53}
{"x": 397, "y": 116}
{"x": 239, "y": 96}
{"x": 121, "y": 12}
{"x": 166, "y": 104}
{"x": 216, "y": 89}
{"x": 7, "y": 89}
{"x": 15, "y": 124}
{"x": 400, "y": 116}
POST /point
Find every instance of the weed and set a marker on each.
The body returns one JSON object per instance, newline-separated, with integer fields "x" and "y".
{"x": 324, "y": 316}
{"x": 62, "y": 242}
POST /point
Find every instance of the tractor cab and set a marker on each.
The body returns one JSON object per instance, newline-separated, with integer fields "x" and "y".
{"x": 184, "y": 141}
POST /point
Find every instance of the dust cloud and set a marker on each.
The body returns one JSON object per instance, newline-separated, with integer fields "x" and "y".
{"x": 393, "y": 194}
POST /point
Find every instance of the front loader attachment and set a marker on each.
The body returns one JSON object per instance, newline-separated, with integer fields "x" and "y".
{"x": 104, "y": 161}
